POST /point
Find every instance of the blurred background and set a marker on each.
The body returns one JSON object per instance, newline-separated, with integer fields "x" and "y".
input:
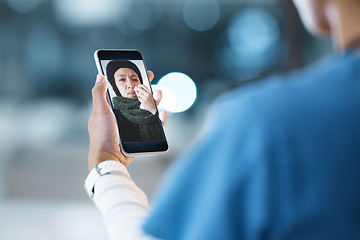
{"x": 47, "y": 72}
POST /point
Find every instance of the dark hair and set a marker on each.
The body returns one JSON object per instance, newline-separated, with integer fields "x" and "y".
{"x": 113, "y": 66}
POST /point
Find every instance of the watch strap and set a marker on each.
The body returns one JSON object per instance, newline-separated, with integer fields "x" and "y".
{"x": 99, "y": 170}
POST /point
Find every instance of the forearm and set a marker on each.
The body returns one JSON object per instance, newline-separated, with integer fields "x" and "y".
{"x": 124, "y": 206}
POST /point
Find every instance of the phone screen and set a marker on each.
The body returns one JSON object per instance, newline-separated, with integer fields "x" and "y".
{"x": 131, "y": 98}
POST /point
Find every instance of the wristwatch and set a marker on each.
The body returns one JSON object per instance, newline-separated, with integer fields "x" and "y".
{"x": 101, "y": 169}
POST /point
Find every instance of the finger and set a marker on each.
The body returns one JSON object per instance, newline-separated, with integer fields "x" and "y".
{"x": 142, "y": 90}
{"x": 157, "y": 96}
{"x": 143, "y": 87}
{"x": 140, "y": 98}
{"x": 99, "y": 93}
{"x": 150, "y": 75}
{"x": 163, "y": 115}
{"x": 138, "y": 92}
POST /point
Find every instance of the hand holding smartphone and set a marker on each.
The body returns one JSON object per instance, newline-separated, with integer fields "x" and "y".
{"x": 130, "y": 96}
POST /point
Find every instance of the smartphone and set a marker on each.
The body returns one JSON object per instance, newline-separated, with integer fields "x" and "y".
{"x": 130, "y": 96}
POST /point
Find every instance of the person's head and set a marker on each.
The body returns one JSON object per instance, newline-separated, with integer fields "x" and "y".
{"x": 123, "y": 76}
{"x": 338, "y": 18}
{"x": 313, "y": 15}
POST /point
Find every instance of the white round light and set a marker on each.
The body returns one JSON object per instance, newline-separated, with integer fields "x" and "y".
{"x": 178, "y": 92}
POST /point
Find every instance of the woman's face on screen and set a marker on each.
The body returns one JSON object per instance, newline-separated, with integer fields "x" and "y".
{"x": 126, "y": 80}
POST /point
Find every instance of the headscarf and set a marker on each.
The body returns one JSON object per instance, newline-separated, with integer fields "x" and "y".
{"x": 115, "y": 65}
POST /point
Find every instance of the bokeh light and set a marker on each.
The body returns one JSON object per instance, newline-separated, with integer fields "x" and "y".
{"x": 143, "y": 15}
{"x": 179, "y": 92}
{"x": 201, "y": 15}
{"x": 254, "y": 44}
{"x": 85, "y": 13}
{"x": 253, "y": 30}
{"x": 22, "y": 6}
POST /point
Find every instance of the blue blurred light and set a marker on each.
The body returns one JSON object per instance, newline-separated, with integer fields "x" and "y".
{"x": 143, "y": 15}
{"x": 85, "y": 13}
{"x": 253, "y": 28}
{"x": 254, "y": 39}
{"x": 201, "y": 15}
{"x": 178, "y": 92}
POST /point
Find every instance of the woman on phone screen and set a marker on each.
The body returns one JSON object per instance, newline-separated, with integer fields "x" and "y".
{"x": 133, "y": 104}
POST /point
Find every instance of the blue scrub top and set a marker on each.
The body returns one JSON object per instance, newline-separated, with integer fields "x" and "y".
{"x": 280, "y": 160}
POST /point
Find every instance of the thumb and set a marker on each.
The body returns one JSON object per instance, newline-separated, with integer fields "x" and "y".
{"x": 99, "y": 93}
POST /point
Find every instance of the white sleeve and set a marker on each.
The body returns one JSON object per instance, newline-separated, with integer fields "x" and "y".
{"x": 124, "y": 206}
